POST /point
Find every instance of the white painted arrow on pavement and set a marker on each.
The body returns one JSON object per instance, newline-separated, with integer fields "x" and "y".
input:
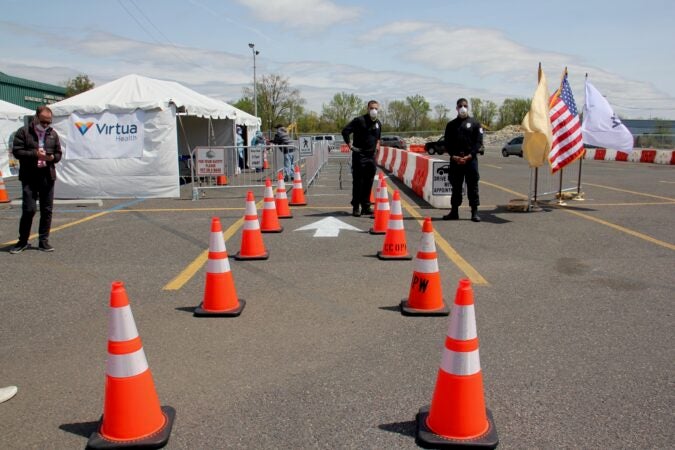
{"x": 328, "y": 227}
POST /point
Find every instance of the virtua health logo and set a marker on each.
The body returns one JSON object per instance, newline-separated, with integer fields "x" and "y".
{"x": 121, "y": 132}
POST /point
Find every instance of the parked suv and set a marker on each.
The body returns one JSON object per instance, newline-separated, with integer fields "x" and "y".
{"x": 393, "y": 141}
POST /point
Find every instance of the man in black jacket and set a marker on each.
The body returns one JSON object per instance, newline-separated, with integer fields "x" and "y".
{"x": 367, "y": 130}
{"x": 463, "y": 140}
{"x": 38, "y": 149}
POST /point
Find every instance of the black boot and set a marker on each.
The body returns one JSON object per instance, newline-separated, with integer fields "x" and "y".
{"x": 452, "y": 215}
{"x": 474, "y": 215}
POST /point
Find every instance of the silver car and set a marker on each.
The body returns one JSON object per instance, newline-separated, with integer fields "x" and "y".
{"x": 513, "y": 147}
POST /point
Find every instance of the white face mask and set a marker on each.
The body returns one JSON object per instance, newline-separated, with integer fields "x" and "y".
{"x": 373, "y": 113}
{"x": 463, "y": 111}
{"x": 39, "y": 127}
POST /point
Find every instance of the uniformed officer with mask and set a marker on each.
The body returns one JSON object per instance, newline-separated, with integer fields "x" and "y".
{"x": 463, "y": 140}
{"x": 366, "y": 130}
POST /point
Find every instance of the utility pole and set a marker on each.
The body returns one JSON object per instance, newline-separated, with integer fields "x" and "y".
{"x": 255, "y": 88}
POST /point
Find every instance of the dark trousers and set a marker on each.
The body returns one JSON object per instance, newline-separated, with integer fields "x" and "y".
{"x": 363, "y": 173}
{"x": 458, "y": 174}
{"x": 42, "y": 188}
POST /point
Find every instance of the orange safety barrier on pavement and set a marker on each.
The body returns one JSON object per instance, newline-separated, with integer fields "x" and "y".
{"x": 426, "y": 292}
{"x": 402, "y": 166}
{"x": 457, "y": 415}
{"x": 420, "y": 177}
{"x": 220, "y": 294}
{"x": 252, "y": 246}
{"x": 132, "y": 415}
{"x": 395, "y": 246}
{"x": 270, "y": 220}
{"x": 416, "y": 148}
{"x": 281, "y": 199}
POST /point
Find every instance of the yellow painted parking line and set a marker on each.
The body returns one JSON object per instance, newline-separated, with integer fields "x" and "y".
{"x": 629, "y": 192}
{"x": 600, "y": 221}
{"x": 176, "y": 209}
{"x": 65, "y": 225}
{"x": 620, "y": 228}
{"x": 445, "y": 247}
{"x": 664, "y": 181}
{"x": 502, "y": 188}
{"x": 194, "y": 267}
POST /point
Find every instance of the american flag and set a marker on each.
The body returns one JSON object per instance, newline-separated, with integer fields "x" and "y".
{"x": 567, "y": 143}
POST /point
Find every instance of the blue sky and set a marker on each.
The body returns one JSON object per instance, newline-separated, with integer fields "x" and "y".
{"x": 379, "y": 49}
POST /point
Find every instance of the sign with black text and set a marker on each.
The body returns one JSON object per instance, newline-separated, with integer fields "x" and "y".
{"x": 305, "y": 144}
{"x": 441, "y": 178}
{"x": 210, "y": 161}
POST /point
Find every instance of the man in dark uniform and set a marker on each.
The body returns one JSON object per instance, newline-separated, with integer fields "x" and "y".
{"x": 463, "y": 140}
{"x": 366, "y": 130}
{"x": 38, "y": 149}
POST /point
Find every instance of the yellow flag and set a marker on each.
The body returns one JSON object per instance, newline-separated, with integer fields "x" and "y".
{"x": 537, "y": 126}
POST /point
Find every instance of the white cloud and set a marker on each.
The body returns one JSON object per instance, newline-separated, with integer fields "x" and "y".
{"x": 304, "y": 14}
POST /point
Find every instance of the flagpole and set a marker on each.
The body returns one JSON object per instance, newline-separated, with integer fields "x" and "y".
{"x": 579, "y": 195}
{"x": 534, "y": 206}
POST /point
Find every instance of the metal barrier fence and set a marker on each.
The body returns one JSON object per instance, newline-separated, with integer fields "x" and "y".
{"x": 258, "y": 164}
{"x": 544, "y": 184}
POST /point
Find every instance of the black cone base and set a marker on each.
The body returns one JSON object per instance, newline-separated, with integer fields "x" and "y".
{"x": 428, "y": 439}
{"x": 408, "y": 311}
{"x": 201, "y": 312}
{"x": 157, "y": 440}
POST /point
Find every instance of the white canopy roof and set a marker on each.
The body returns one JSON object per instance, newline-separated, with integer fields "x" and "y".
{"x": 13, "y": 112}
{"x": 137, "y": 92}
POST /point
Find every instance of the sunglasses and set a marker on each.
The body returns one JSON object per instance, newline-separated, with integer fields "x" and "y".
{"x": 45, "y": 123}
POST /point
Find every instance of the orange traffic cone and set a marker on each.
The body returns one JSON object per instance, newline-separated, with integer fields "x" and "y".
{"x": 270, "y": 220}
{"x": 395, "y": 246}
{"x": 297, "y": 194}
{"x": 266, "y": 164}
{"x": 252, "y": 246}
{"x": 426, "y": 294}
{"x": 132, "y": 416}
{"x": 4, "y": 197}
{"x": 281, "y": 199}
{"x": 457, "y": 415}
{"x": 220, "y": 295}
{"x": 381, "y": 210}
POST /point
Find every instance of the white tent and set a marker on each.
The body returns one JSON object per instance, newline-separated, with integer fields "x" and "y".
{"x": 123, "y": 139}
{"x": 11, "y": 119}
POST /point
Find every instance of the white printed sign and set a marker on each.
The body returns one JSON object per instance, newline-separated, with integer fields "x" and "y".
{"x": 255, "y": 157}
{"x": 105, "y": 136}
{"x": 305, "y": 143}
{"x": 441, "y": 178}
{"x": 210, "y": 160}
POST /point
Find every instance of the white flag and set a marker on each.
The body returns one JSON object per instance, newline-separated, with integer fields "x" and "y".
{"x": 601, "y": 127}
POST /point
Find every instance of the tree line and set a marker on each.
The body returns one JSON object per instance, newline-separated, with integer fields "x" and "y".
{"x": 280, "y": 103}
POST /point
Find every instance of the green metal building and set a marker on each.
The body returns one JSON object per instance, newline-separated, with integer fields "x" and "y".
{"x": 27, "y": 93}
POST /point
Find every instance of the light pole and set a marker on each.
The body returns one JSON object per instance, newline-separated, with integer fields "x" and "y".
{"x": 255, "y": 89}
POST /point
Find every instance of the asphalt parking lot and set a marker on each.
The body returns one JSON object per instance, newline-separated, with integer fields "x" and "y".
{"x": 574, "y": 311}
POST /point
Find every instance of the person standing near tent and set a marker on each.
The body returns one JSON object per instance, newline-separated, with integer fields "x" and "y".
{"x": 367, "y": 130}
{"x": 282, "y": 139}
{"x": 240, "y": 149}
{"x": 38, "y": 149}
{"x": 259, "y": 141}
{"x": 463, "y": 140}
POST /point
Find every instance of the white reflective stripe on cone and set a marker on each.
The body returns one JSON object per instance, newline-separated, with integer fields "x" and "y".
{"x": 281, "y": 195}
{"x": 128, "y": 365}
{"x": 216, "y": 242}
{"x": 251, "y": 224}
{"x": 427, "y": 243}
{"x": 121, "y": 325}
{"x": 270, "y": 205}
{"x": 462, "y": 323}
{"x": 383, "y": 206}
{"x": 460, "y": 363}
{"x": 395, "y": 224}
{"x": 396, "y": 208}
{"x": 218, "y": 265}
{"x": 250, "y": 209}
{"x": 426, "y": 265}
